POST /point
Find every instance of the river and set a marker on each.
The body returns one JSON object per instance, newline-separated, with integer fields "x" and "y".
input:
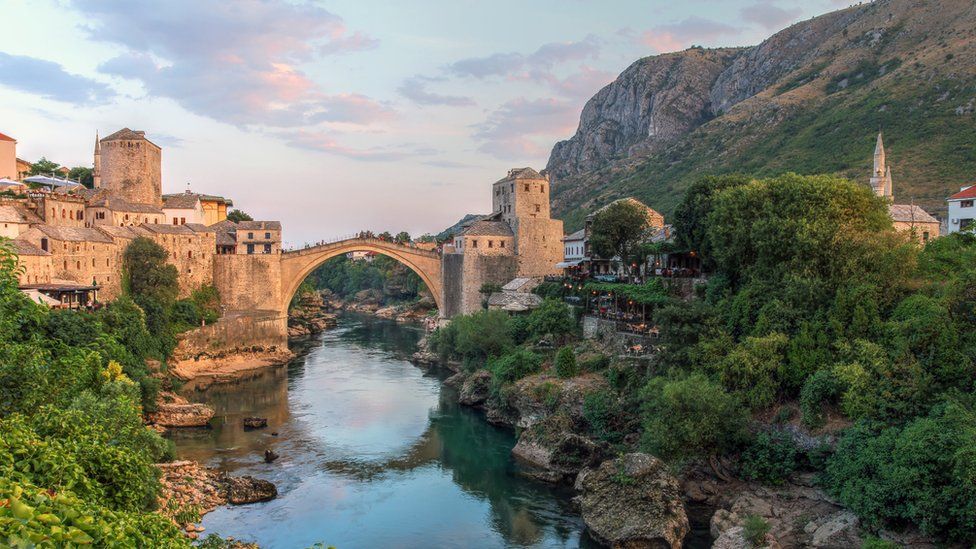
{"x": 375, "y": 452}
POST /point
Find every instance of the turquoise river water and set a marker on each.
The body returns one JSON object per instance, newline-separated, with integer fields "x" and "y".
{"x": 374, "y": 453}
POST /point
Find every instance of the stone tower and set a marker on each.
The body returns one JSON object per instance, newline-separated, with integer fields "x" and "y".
{"x": 881, "y": 177}
{"x": 521, "y": 200}
{"x": 129, "y": 166}
{"x": 97, "y": 171}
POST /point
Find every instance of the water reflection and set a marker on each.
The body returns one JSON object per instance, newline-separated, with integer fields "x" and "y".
{"x": 374, "y": 454}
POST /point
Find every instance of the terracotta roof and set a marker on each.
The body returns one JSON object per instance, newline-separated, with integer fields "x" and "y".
{"x": 969, "y": 192}
{"x": 910, "y": 213}
{"x": 515, "y": 301}
{"x": 120, "y": 205}
{"x": 488, "y": 228}
{"x": 74, "y": 234}
{"x": 182, "y": 201}
{"x": 199, "y": 228}
{"x": 15, "y": 213}
{"x": 120, "y": 232}
{"x": 167, "y": 229}
{"x": 226, "y": 239}
{"x": 5, "y": 137}
{"x": 259, "y": 225}
{"x": 23, "y": 247}
{"x": 202, "y": 197}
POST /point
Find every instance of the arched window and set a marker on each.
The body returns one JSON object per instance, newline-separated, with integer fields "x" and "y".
{"x": 63, "y": 213}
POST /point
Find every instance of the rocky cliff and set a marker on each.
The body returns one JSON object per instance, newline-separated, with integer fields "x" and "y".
{"x": 809, "y": 99}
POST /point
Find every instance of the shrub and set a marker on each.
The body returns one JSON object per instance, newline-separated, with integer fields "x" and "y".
{"x": 690, "y": 417}
{"x": 920, "y": 474}
{"x": 871, "y": 542}
{"x": 754, "y": 529}
{"x": 771, "y": 458}
{"x": 601, "y": 410}
{"x": 820, "y": 389}
{"x": 185, "y": 313}
{"x": 566, "y": 366}
{"x": 514, "y": 366}
{"x": 752, "y": 366}
{"x": 594, "y": 363}
{"x": 552, "y": 318}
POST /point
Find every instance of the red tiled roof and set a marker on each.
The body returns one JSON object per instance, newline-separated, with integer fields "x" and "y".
{"x": 968, "y": 193}
{"x": 5, "y": 137}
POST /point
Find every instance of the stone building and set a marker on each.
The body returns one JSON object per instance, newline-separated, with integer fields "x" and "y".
{"x": 521, "y": 199}
{"x": 8, "y": 158}
{"x": 191, "y": 249}
{"x": 189, "y": 207}
{"x": 610, "y": 265}
{"x": 82, "y": 255}
{"x": 904, "y": 217}
{"x": 33, "y": 263}
{"x": 129, "y": 166}
{"x": 486, "y": 238}
{"x": 58, "y": 209}
{"x": 15, "y": 218}
{"x": 258, "y": 237}
{"x": 111, "y": 210}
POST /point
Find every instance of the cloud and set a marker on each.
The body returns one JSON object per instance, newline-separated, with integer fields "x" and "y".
{"x": 236, "y": 62}
{"x": 583, "y": 84}
{"x": 415, "y": 89}
{"x": 770, "y": 16}
{"x": 516, "y": 64}
{"x": 323, "y": 142}
{"x": 523, "y": 127}
{"x": 685, "y": 33}
{"x": 49, "y": 80}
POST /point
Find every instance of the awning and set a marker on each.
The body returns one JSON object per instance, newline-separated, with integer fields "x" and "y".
{"x": 37, "y": 297}
{"x": 567, "y": 264}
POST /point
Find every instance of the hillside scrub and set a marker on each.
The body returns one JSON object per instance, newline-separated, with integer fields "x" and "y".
{"x": 76, "y": 461}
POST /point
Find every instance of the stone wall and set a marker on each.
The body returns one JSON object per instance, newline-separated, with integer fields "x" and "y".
{"x": 193, "y": 255}
{"x": 82, "y": 261}
{"x": 248, "y": 282}
{"x": 540, "y": 246}
{"x": 59, "y": 210}
{"x": 235, "y": 332}
{"x": 131, "y": 170}
{"x": 464, "y": 274}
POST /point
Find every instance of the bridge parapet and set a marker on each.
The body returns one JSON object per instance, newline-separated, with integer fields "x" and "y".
{"x": 345, "y": 243}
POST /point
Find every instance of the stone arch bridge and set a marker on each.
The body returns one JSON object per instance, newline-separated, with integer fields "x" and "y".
{"x": 298, "y": 264}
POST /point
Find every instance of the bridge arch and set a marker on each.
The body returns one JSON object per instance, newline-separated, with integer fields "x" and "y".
{"x": 297, "y": 265}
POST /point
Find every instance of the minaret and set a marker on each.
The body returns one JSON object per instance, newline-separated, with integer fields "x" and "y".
{"x": 97, "y": 172}
{"x": 881, "y": 177}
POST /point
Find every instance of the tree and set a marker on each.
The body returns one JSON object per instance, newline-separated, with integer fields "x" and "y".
{"x": 566, "y": 363}
{"x": 691, "y": 215}
{"x": 43, "y": 167}
{"x": 618, "y": 230}
{"x": 402, "y": 237}
{"x": 82, "y": 175}
{"x": 238, "y": 215}
{"x": 147, "y": 273}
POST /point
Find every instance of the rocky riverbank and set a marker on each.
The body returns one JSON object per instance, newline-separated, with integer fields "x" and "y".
{"x": 310, "y": 315}
{"x": 635, "y": 500}
{"x": 372, "y": 302}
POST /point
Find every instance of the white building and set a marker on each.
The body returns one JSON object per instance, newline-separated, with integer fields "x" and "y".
{"x": 574, "y": 250}
{"x": 962, "y": 210}
{"x": 184, "y": 208}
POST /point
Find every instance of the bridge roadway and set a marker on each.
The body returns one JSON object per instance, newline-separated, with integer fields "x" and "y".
{"x": 298, "y": 264}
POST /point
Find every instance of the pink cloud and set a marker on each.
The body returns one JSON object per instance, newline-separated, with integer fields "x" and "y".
{"x": 686, "y": 33}
{"x": 525, "y": 128}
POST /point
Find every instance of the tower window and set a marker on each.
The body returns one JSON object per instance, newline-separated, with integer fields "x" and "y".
{"x": 542, "y": 188}
{"x": 526, "y": 187}
{"x": 491, "y": 243}
{"x": 538, "y": 208}
{"x": 502, "y": 244}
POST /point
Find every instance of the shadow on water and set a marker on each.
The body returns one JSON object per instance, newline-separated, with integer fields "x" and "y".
{"x": 375, "y": 453}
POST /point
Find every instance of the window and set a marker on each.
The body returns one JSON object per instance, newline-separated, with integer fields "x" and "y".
{"x": 964, "y": 224}
{"x": 526, "y": 187}
{"x": 81, "y": 214}
{"x": 250, "y": 236}
{"x": 63, "y": 215}
{"x": 176, "y": 221}
{"x": 513, "y": 187}
{"x": 538, "y": 208}
{"x": 267, "y": 236}
{"x": 925, "y": 236}
{"x": 542, "y": 188}
{"x": 44, "y": 244}
{"x": 250, "y": 248}
{"x": 189, "y": 254}
{"x": 474, "y": 243}
{"x": 502, "y": 244}
{"x": 267, "y": 248}
{"x": 491, "y": 243}
{"x": 182, "y": 221}
{"x": 966, "y": 204}
{"x": 106, "y": 262}
{"x": 93, "y": 262}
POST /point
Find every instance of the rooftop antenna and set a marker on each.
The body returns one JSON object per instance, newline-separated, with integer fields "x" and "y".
{"x": 187, "y": 187}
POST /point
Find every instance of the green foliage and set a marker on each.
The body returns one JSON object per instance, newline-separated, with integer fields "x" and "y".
{"x": 207, "y": 301}
{"x": 771, "y": 457}
{"x": 690, "y": 417}
{"x": 345, "y": 278}
{"x": 238, "y": 215}
{"x": 690, "y": 218}
{"x": 604, "y": 416}
{"x": 618, "y": 229}
{"x": 821, "y": 388}
{"x": 752, "y": 368}
{"x": 594, "y": 363}
{"x": 43, "y": 167}
{"x": 83, "y": 175}
{"x": 754, "y": 529}
{"x": 185, "y": 314}
{"x": 513, "y": 366}
{"x": 566, "y": 366}
{"x": 920, "y": 474}
{"x": 871, "y": 542}
{"x": 147, "y": 273}
{"x": 473, "y": 338}
{"x": 552, "y": 318}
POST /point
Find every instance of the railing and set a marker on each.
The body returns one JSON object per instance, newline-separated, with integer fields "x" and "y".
{"x": 359, "y": 236}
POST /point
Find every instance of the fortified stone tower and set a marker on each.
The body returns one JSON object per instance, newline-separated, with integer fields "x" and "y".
{"x": 881, "y": 177}
{"x": 128, "y": 165}
{"x": 521, "y": 199}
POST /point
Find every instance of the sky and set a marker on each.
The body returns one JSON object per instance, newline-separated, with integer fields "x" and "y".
{"x": 334, "y": 117}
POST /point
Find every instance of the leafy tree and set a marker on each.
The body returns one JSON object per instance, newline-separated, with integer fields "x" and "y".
{"x": 771, "y": 458}
{"x": 43, "y": 167}
{"x": 690, "y": 417}
{"x": 751, "y": 368}
{"x": 618, "y": 230}
{"x": 238, "y": 215}
{"x": 691, "y": 216}
{"x": 552, "y": 318}
{"x": 402, "y": 237}
{"x": 513, "y": 366}
{"x": 919, "y": 474}
{"x": 566, "y": 366}
{"x": 147, "y": 273}
{"x": 83, "y": 175}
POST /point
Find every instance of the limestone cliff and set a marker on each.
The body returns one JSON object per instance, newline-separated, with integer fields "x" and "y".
{"x": 809, "y": 99}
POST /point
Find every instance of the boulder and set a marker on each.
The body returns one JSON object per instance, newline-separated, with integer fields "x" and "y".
{"x": 632, "y": 502}
{"x": 246, "y": 489}
{"x": 255, "y": 422}
{"x": 476, "y": 388}
{"x": 550, "y": 454}
{"x": 270, "y": 455}
{"x": 735, "y": 538}
{"x": 181, "y": 415}
{"x": 456, "y": 381}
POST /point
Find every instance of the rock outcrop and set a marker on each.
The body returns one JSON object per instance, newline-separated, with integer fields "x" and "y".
{"x": 475, "y": 389}
{"x": 550, "y": 454}
{"x": 309, "y": 316}
{"x": 181, "y": 415}
{"x": 632, "y": 502}
{"x": 245, "y": 489}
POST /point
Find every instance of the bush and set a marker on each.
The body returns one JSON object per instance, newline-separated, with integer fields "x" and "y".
{"x": 514, "y": 366}
{"x": 185, "y": 313}
{"x": 552, "y": 318}
{"x": 601, "y": 410}
{"x": 754, "y": 529}
{"x": 690, "y": 417}
{"x": 752, "y": 367}
{"x": 919, "y": 474}
{"x": 820, "y": 389}
{"x": 566, "y": 366}
{"x": 594, "y": 363}
{"x": 771, "y": 458}
{"x": 473, "y": 338}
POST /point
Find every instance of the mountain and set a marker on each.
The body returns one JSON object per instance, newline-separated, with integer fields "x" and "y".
{"x": 810, "y": 99}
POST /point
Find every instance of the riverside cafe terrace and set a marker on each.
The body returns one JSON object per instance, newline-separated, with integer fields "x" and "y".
{"x": 629, "y": 305}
